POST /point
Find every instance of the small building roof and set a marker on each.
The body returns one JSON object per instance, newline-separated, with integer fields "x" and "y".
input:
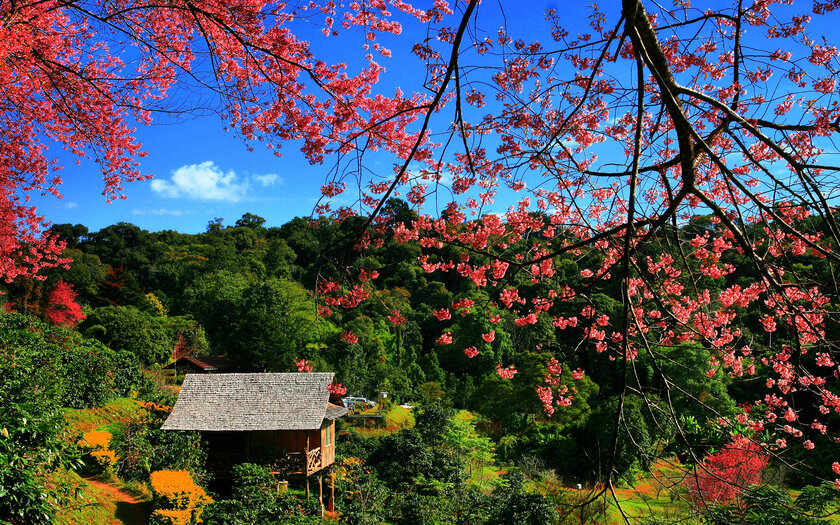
{"x": 244, "y": 402}
{"x": 210, "y": 363}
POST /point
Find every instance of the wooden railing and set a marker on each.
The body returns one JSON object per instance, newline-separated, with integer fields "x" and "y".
{"x": 288, "y": 463}
{"x": 313, "y": 460}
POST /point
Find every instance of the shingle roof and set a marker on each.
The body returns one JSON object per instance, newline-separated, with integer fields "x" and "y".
{"x": 295, "y": 401}
{"x": 335, "y": 411}
{"x": 206, "y": 363}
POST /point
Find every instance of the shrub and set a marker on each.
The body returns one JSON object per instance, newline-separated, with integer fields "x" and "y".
{"x": 89, "y": 374}
{"x": 144, "y": 448}
{"x": 97, "y": 444}
{"x": 515, "y": 506}
{"x": 722, "y": 475}
{"x": 177, "y": 499}
{"x": 251, "y": 482}
{"x": 60, "y": 365}
{"x": 362, "y": 495}
{"x": 769, "y": 505}
{"x": 31, "y": 422}
{"x": 256, "y": 502}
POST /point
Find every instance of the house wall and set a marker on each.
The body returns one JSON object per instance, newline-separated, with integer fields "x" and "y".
{"x": 289, "y": 440}
{"x": 299, "y": 441}
{"x": 229, "y": 448}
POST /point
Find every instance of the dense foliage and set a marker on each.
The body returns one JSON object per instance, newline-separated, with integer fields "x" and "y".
{"x": 266, "y": 320}
{"x": 43, "y": 369}
{"x": 256, "y": 500}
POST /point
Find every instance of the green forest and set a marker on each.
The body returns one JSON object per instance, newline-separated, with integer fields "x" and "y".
{"x": 479, "y": 445}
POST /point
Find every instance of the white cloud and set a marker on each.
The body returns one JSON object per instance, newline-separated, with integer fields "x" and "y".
{"x": 71, "y": 205}
{"x": 162, "y": 211}
{"x": 269, "y": 179}
{"x": 204, "y": 181}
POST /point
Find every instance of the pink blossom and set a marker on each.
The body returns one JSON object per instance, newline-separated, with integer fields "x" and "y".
{"x": 445, "y": 339}
{"x": 303, "y": 365}
{"x": 396, "y": 319}
{"x": 349, "y": 337}
{"x": 337, "y": 389}
{"x": 505, "y": 373}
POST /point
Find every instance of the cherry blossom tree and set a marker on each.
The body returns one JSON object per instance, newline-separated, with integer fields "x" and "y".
{"x": 657, "y": 150}
{"x": 652, "y": 151}
{"x": 82, "y": 75}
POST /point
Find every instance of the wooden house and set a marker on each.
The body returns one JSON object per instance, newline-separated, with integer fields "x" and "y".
{"x": 283, "y": 420}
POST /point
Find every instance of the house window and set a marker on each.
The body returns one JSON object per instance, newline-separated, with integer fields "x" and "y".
{"x": 328, "y": 434}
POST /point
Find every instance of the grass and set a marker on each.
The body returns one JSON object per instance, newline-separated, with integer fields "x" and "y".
{"x": 395, "y": 420}
{"x": 400, "y": 417}
{"x": 657, "y": 494}
{"x": 89, "y": 504}
{"x": 87, "y": 419}
{"x": 486, "y": 476}
{"x": 649, "y": 498}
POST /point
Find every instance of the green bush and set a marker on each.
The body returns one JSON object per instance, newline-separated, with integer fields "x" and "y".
{"x": 514, "y": 505}
{"x": 30, "y": 446}
{"x": 251, "y": 482}
{"x": 256, "y": 501}
{"x": 62, "y": 366}
{"x": 143, "y": 448}
{"x": 132, "y": 330}
{"x": 93, "y": 374}
{"x": 31, "y": 422}
{"x": 769, "y": 505}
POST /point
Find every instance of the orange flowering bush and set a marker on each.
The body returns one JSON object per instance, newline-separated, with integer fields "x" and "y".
{"x": 155, "y": 411}
{"x": 172, "y": 517}
{"x": 154, "y": 407}
{"x": 179, "y": 500}
{"x": 105, "y": 458}
{"x": 97, "y": 443}
{"x": 96, "y": 439}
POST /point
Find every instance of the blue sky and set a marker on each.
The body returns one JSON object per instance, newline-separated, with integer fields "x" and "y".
{"x": 203, "y": 172}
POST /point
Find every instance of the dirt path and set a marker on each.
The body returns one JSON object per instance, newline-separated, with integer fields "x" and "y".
{"x": 129, "y": 510}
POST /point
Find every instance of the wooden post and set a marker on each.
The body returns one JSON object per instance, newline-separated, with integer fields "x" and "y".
{"x": 321, "y": 492}
{"x": 331, "y": 501}
{"x": 307, "y": 487}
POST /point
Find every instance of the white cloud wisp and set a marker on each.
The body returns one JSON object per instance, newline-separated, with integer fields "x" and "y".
{"x": 206, "y": 181}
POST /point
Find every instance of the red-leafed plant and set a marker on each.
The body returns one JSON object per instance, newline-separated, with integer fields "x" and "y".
{"x": 722, "y": 475}
{"x": 62, "y": 308}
